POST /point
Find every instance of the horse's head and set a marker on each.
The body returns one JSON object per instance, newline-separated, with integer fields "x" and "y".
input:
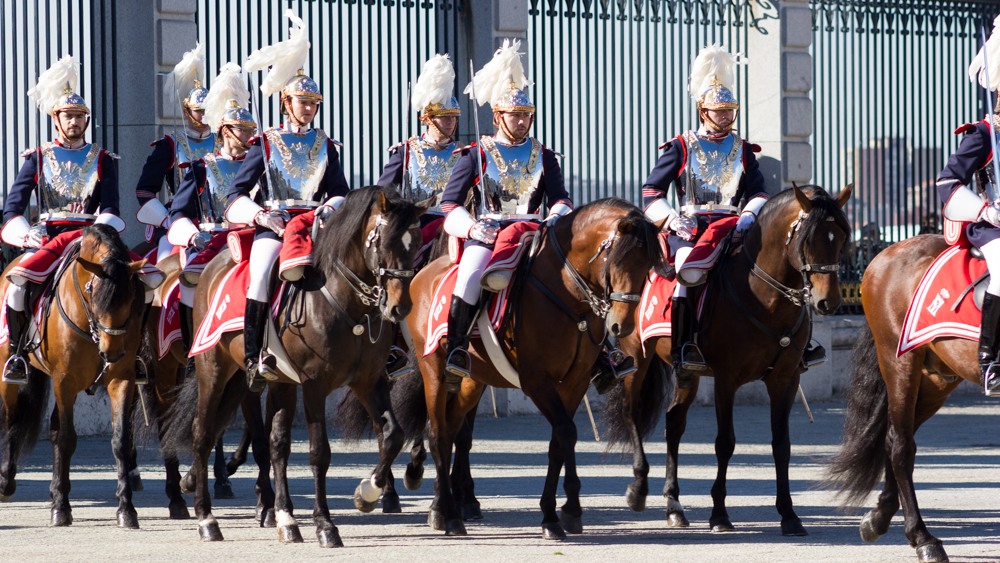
{"x": 618, "y": 247}
{"x": 107, "y": 278}
{"x": 809, "y": 227}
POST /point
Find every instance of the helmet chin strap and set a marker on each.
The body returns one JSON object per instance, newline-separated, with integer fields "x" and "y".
{"x": 287, "y": 103}
{"x": 720, "y": 131}
{"x": 506, "y": 130}
{"x": 192, "y": 122}
{"x": 63, "y": 134}
{"x": 431, "y": 125}
{"x": 228, "y": 133}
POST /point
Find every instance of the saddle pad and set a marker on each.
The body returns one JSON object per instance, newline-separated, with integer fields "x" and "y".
{"x": 930, "y": 315}
{"x": 35, "y": 322}
{"x": 654, "y": 308}
{"x": 227, "y": 308}
{"x": 168, "y": 328}
{"x": 437, "y": 319}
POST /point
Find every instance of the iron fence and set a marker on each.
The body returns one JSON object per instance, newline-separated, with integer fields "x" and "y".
{"x": 611, "y": 82}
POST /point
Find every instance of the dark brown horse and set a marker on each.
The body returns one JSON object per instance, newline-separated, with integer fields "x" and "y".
{"x": 606, "y": 247}
{"x": 891, "y": 397}
{"x": 338, "y": 334}
{"x": 93, "y": 338}
{"x": 755, "y": 300}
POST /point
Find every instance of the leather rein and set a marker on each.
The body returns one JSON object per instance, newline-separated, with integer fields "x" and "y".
{"x": 95, "y": 326}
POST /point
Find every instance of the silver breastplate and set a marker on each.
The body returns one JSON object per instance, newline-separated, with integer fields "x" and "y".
{"x": 219, "y": 175}
{"x": 429, "y": 170}
{"x": 513, "y": 174}
{"x": 713, "y": 177}
{"x": 296, "y": 168}
{"x": 66, "y": 181}
{"x": 186, "y": 150}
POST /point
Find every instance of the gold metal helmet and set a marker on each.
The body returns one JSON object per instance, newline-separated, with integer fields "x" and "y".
{"x": 237, "y": 116}
{"x": 196, "y": 97}
{"x": 718, "y": 97}
{"x": 301, "y": 86}
{"x": 435, "y": 109}
{"x": 513, "y": 99}
{"x": 70, "y": 101}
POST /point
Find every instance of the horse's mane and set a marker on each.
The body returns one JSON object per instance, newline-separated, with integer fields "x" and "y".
{"x": 824, "y": 206}
{"x": 114, "y": 287}
{"x": 335, "y": 242}
{"x": 643, "y": 234}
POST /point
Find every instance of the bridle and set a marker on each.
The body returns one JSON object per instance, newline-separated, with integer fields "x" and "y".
{"x": 95, "y": 326}
{"x": 371, "y": 295}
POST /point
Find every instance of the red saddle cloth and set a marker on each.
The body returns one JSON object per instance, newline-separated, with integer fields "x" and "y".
{"x": 168, "y": 328}
{"x": 707, "y": 250}
{"x": 226, "y": 309}
{"x": 654, "y": 308}
{"x": 437, "y": 318}
{"x": 36, "y": 306}
{"x": 512, "y": 243}
{"x": 930, "y": 315}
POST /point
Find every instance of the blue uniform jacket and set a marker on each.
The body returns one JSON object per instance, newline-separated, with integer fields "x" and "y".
{"x": 104, "y": 198}
{"x": 333, "y": 183}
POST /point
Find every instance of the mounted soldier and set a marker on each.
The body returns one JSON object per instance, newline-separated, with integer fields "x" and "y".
{"x": 716, "y": 176}
{"x": 299, "y": 171}
{"x": 197, "y": 216}
{"x": 75, "y": 184}
{"x": 166, "y": 164}
{"x": 518, "y": 175}
{"x": 967, "y": 186}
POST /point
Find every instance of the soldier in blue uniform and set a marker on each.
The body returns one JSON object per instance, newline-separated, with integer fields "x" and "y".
{"x": 164, "y": 167}
{"x": 197, "y": 216}
{"x": 519, "y": 175}
{"x": 299, "y": 170}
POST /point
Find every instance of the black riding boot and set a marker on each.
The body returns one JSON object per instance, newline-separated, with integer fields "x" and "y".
{"x": 141, "y": 369}
{"x": 255, "y": 320}
{"x": 612, "y": 366}
{"x": 988, "y": 345}
{"x": 16, "y": 369}
{"x": 187, "y": 326}
{"x": 459, "y": 325}
{"x": 684, "y": 354}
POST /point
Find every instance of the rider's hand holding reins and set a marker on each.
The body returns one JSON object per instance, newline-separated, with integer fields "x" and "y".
{"x": 35, "y": 237}
{"x": 991, "y": 214}
{"x": 745, "y": 221}
{"x": 323, "y": 213}
{"x": 684, "y": 226}
{"x": 485, "y": 231}
{"x": 200, "y": 240}
{"x": 271, "y": 221}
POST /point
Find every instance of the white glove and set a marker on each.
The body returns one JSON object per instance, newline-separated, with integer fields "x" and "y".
{"x": 991, "y": 214}
{"x": 35, "y": 237}
{"x": 323, "y": 213}
{"x": 200, "y": 240}
{"x": 273, "y": 221}
{"x": 551, "y": 220}
{"x": 485, "y": 231}
{"x": 684, "y": 226}
{"x": 745, "y": 221}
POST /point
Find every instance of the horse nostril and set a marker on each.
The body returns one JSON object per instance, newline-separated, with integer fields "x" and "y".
{"x": 615, "y": 329}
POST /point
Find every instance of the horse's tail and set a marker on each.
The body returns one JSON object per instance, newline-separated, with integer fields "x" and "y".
{"x": 655, "y": 387}
{"x": 178, "y": 434}
{"x": 22, "y": 432}
{"x": 859, "y": 466}
{"x": 408, "y": 405}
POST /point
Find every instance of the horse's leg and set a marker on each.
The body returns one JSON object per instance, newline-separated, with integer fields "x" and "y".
{"x": 375, "y": 398}
{"x": 463, "y": 487}
{"x": 223, "y": 487}
{"x": 638, "y": 489}
{"x": 314, "y": 404}
{"x": 414, "y": 476}
{"x": 390, "y": 498}
{"x": 725, "y": 444}
{"x": 63, "y": 437}
{"x": 132, "y": 465}
{"x": 443, "y": 514}
{"x": 876, "y": 521}
{"x": 120, "y": 392}
{"x": 676, "y": 424}
{"x": 211, "y": 385}
{"x": 239, "y": 456}
{"x": 178, "y": 507}
{"x": 562, "y": 452}
{"x": 11, "y": 451}
{"x": 284, "y": 397}
{"x": 257, "y": 432}
{"x": 781, "y": 392}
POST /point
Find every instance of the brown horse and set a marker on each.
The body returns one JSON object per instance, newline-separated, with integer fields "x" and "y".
{"x": 757, "y": 297}
{"x": 94, "y": 338}
{"x": 605, "y": 248}
{"x": 891, "y": 397}
{"x": 338, "y": 334}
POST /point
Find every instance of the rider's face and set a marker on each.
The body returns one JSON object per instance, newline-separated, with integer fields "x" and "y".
{"x": 72, "y": 124}
{"x": 447, "y": 124}
{"x": 303, "y": 109}
{"x": 517, "y": 122}
{"x": 720, "y": 119}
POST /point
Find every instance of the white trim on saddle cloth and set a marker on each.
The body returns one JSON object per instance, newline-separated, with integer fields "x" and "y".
{"x": 171, "y": 304}
{"x": 706, "y": 263}
{"x": 649, "y": 306}
{"x": 295, "y": 262}
{"x": 206, "y": 337}
{"x": 512, "y": 261}
{"x": 437, "y": 319}
{"x": 910, "y": 337}
{"x": 20, "y": 275}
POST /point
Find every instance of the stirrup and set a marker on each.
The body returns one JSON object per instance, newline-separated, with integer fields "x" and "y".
{"x": 398, "y": 364}
{"x": 453, "y": 369}
{"x": 621, "y": 364}
{"x": 141, "y": 371}
{"x": 816, "y": 357}
{"x": 991, "y": 379}
{"x": 7, "y": 378}
{"x": 267, "y": 367}
{"x": 689, "y": 363}
{"x": 255, "y": 381}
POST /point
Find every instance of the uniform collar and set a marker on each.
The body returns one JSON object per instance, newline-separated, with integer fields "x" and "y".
{"x": 82, "y": 144}
{"x": 705, "y": 135}
{"x": 427, "y": 143}
{"x": 226, "y": 156}
{"x": 503, "y": 140}
{"x": 295, "y": 129}
{"x": 196, "y": 135}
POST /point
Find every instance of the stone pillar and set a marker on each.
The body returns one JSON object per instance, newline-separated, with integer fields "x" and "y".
{"x": 780, "y": 77}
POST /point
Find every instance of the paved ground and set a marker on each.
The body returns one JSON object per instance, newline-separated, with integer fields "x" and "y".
{"x": 958, "y": 467}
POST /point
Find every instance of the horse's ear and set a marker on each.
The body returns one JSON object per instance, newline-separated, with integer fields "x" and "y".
{"x": 844, "y": 195}
{"x": 384, "y": 205}
{"x": 423, "y": 206}
{"x": 92, "y": 267}
{"x": 804, "y": 201}
{"x": 135, "y": 267}
{"x": 624, "y": 227}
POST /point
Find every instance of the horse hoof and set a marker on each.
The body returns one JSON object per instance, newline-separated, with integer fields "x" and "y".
{"x": 329, "y": 537}
{"x": 209, "y": 531}
{"x": 721, "y": 525}
{"x": 677, "y": 520}
{"x": 5, "y": 498}
{"x": 62, "y": 517}
{"x": 553, "y": 531}
{"x": 931, "y": 553}
{"x": 390, "y": 504}
{"x": 128, "y": 519}
{"x": 455, "y": 527}
{"x": 179, "y": 511}
{"x": 571, "y": 524}
{"x": 793, "y": 528}
{"x": 360, "y": 503}
{"x": 471, "y": 511}
{"x": 436, "y": 520}
{"x": 135, "y": 480}
{"x": 7, "y": 489}
{"x": 187, "y": 485}
{"x": 868, "y": 532}
{"x": 635, "y": 500}
{"x": 289, "y": 534}
{"x": 413, "y": 478}
{"x": 224, "y": 490}
{"x": 268, "y": 520}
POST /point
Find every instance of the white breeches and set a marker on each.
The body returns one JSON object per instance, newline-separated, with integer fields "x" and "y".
{"x": 682, "y": 248}
{"x": 163, "y": 248}
{"x": 187, "y": 295}
{"x": 991, "y": 251}
{"x": 475, "y": 257}
{"x": 263, "y": 255}
{"x": 15, "y": 297}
